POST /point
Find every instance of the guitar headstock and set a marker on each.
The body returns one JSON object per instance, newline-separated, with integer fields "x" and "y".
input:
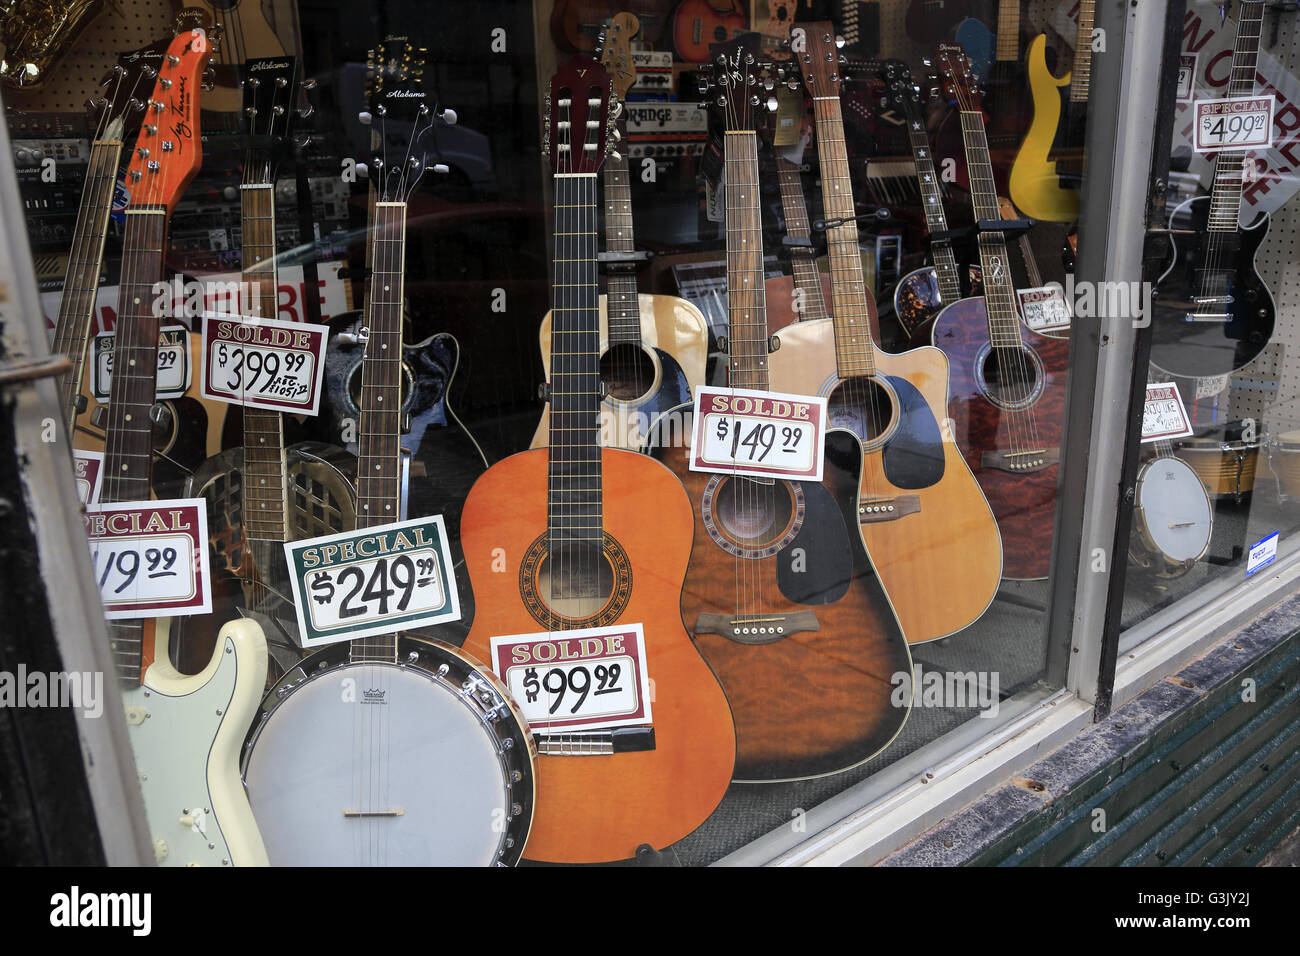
{"x": 616, "y": 54}
{"x": 118, "y": 108}
{"x": 742, "y": 83}
{"x": 901, "y": 92}
{"x": 168, "y": 152}
{"x": 959, "y": 80}
{"x": 579, "y": 118}
{"x": 401, "y": 117}
{"x": 821, "y": 60}
{"x": 266, "y": 114}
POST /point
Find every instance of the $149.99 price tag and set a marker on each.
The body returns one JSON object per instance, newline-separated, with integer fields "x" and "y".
{"x": 151, "y": 558}
{"x": 376, "y": 581}
{"x": 740, "y": 431}
{"x": 263, "y": 363}
{"x": 1242, "y": 122}
{"x": 173, "y": 363}
{"x": 588, "y": 678}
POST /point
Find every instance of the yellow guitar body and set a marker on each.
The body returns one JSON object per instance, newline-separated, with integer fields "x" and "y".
{"x": 1035, "y": 188}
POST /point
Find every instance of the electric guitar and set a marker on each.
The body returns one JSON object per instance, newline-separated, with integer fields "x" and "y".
{"x": 591, "y": 537}
{"x": 1007, "y": 381}
{"x": 1212, "y": 313}
{"x": 698, "y": 24}
{"x": 918, "y": 506}
{"x": 653, "y": 347}
{"x": 185, "y": 731}
{"x": 1037, "y": 182}
{"x": 780, "y": 594}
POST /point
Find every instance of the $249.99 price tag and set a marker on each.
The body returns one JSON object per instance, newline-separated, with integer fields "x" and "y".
{"x": 1238, "y": 123}
{"x": 376, "y": 581}
{"x": 740, "y": 431}
{"x": 263, "y": 363}
{"x": 151, "y": 558}
{"x": 589, "y": 678}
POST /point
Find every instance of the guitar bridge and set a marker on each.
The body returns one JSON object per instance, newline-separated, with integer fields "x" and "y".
{"x": 762, "y": 629}
{"x": 888, "y": 509}
{"x": 1021, "y": 462}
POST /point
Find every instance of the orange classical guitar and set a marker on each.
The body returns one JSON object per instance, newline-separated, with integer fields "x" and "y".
{"x": 577, "y": 554}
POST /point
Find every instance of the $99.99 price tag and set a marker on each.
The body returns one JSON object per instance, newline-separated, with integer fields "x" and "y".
{"x": 741, "y": 431}
{"x": 590, "y": 678}
{"x": 376, "y": 581}
{"x": 150, "y": 558}
{"x": 263, "y": 363}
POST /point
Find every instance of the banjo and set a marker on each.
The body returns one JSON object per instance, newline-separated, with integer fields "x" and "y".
{"x": 388, "y": 750}
{"x": 1172, "y": 517}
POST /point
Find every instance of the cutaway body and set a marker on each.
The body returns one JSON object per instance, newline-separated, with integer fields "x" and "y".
{"x": 1035, "y": 183}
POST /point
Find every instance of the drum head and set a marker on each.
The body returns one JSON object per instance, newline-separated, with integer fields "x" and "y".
{"x": 378, "y": 765}
{"x": 1175, "y": 508}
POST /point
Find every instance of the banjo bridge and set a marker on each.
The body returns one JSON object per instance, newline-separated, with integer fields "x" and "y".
{"x": 373, "y": 813}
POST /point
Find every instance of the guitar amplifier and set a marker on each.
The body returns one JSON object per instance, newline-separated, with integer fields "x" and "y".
{"x": 51, "y": 194}
{"x": 666, "y": 129}
{"x": 654, "y": 72}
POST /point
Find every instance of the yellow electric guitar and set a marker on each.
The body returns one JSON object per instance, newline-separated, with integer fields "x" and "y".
{"x": 652, "y": 347}
{"x": 1044, "y": 181}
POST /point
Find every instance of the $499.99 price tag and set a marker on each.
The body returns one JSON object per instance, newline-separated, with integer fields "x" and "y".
{"x": 1241, "y": 122}
{"x": 741, "y": 431}
{"x": 263, "y": 363}
{"x": 376, "y": 581}
{"x": 151, "y": 558}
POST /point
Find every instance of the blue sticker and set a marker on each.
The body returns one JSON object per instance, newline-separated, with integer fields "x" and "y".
{"x": 1262, "y": 553}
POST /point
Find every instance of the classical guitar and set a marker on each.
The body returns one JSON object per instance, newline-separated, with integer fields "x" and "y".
{"x": 1007, "y": 381}
{"x": 780, "y": 595}
{"x": 698, "y": 24}
{"x": 261, "y": 493}
{"x": 1212, "y": 313}
{"x": 185, "y": 731}
{"x": 653, "y": 347}
{"x": 1037, "y": 182}
{"x": 595, "y": 538}
{"x": 427, "y": 761}
{"x": 917, "y": 504}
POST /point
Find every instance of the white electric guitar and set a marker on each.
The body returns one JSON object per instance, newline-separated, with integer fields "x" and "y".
{"x": 186, "y": 731}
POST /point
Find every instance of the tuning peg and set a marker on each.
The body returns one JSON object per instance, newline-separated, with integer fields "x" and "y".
{"x": 616, "y": 136}
{"x": 839, "y": 42}
{"x": 448, "y": 116}
{"x": 364, "y": 118}
{"x": 615, "y": 155}
{"x": 441, "y": 169}
{"x": 305, "y": 111}
{"x": 363, "y": 171}
{"x": 703, "y": 85}
{"x": 771, "y": 104}
{"x": 308, "y": 84}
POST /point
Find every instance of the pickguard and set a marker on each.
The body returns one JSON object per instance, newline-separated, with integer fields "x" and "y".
{"x": 913, "y": 457}
{"x": 817, "y": 566}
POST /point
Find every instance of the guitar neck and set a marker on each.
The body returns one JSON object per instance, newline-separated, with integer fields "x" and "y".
{"x": 1225, "y": 195}
{"x": 264, "y": 463}
{"x": 999, "y": 289}
{"x": 379, "y": 461}
{"x": 1008, "y": 39}
{"x": 623, "y": 309}
{"x": 746, "y": 298}
{"x": 1081, "y": 72}
{"x": 80, "y": 285}
{"x": 574, "y": 514}
{"x": 850, "y": 303}
{"x": 936, "y": 219}
{"x": 803, "y": 260}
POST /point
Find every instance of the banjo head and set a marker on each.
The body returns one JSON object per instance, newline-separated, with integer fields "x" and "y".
{"x": 1173, "y": 510}
{"x": 422, "y": 763}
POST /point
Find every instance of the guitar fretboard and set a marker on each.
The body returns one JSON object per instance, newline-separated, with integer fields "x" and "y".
{"x": 1008, "y": 41}
{"x": 803, "y": 261}
{"x": 81, "y": 283}
{"x": 746, "y": 298}
{"x": 850, "y": 303}
{"x": 999, "y": 288}
{"x": 936, "y": 219}
{"x": 1081, "y": 72}
{"x": 1225, "y": 195}
{"x": 622, "y": 309}
{"x": 574, "y": 514}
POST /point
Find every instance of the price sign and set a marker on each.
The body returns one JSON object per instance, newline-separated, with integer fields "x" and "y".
{"x": 590, "y": 678}
{"x": 1262, "y": 553}
{"x": 1186, "y": 75}
{"x": 173, "y": 363}
{"x": 1242, "y": 122}
{"x": 263, "y": 363}
{"x": 88, "y": 470}
{"x": 740, "y": 431}
{"x": 1044, "y": 308}
{"x": 151, "y": 558}
{"x": 1164, "y": 416}
{"x": 376, "y": 581}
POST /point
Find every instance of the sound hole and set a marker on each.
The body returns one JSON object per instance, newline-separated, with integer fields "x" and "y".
{"x": 576, "y": 579}
{"x": 751, "y": 512}
{"x": 627, "y": 371}
{"x": 863, "y": 406}
{"x": 1010, "y": 376}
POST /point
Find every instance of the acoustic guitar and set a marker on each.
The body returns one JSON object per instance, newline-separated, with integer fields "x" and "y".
{"x": 918, "y": 506}
{"x": 574, "y": 548}
{"x": 780, "y": 594}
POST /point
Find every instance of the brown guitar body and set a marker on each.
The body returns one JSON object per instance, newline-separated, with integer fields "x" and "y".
{"x": 944, "y": 529}
{"x": 1024, "y": 502}
{"x": 600, "y": 808}
{"x": 815, "y": 699}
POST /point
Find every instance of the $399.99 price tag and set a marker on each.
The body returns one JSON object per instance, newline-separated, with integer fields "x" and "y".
{"x": 376, "y": 581}
{"x": 590, "y": 678}
{"x": 741, "y": 431}
{"x": 263, "y": 363}
{"x": 1238, "y": 123}
{"x": 151, "y": 558}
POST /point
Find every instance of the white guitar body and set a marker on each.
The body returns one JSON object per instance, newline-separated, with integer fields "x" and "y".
{"x": 187, "y": 732}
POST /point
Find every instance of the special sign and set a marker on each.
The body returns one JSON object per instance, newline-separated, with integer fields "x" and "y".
{"x": 263, "y": 363}
{"x": 173, "y": 372}
{"x": 740, "y": 431}
{"x": 589, "y": 678}
{"x": 1238, "y": 123}
{"x": 151, "y": 558}
{"x": 87, "y": 470}
{"x": 376, "y": 581}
